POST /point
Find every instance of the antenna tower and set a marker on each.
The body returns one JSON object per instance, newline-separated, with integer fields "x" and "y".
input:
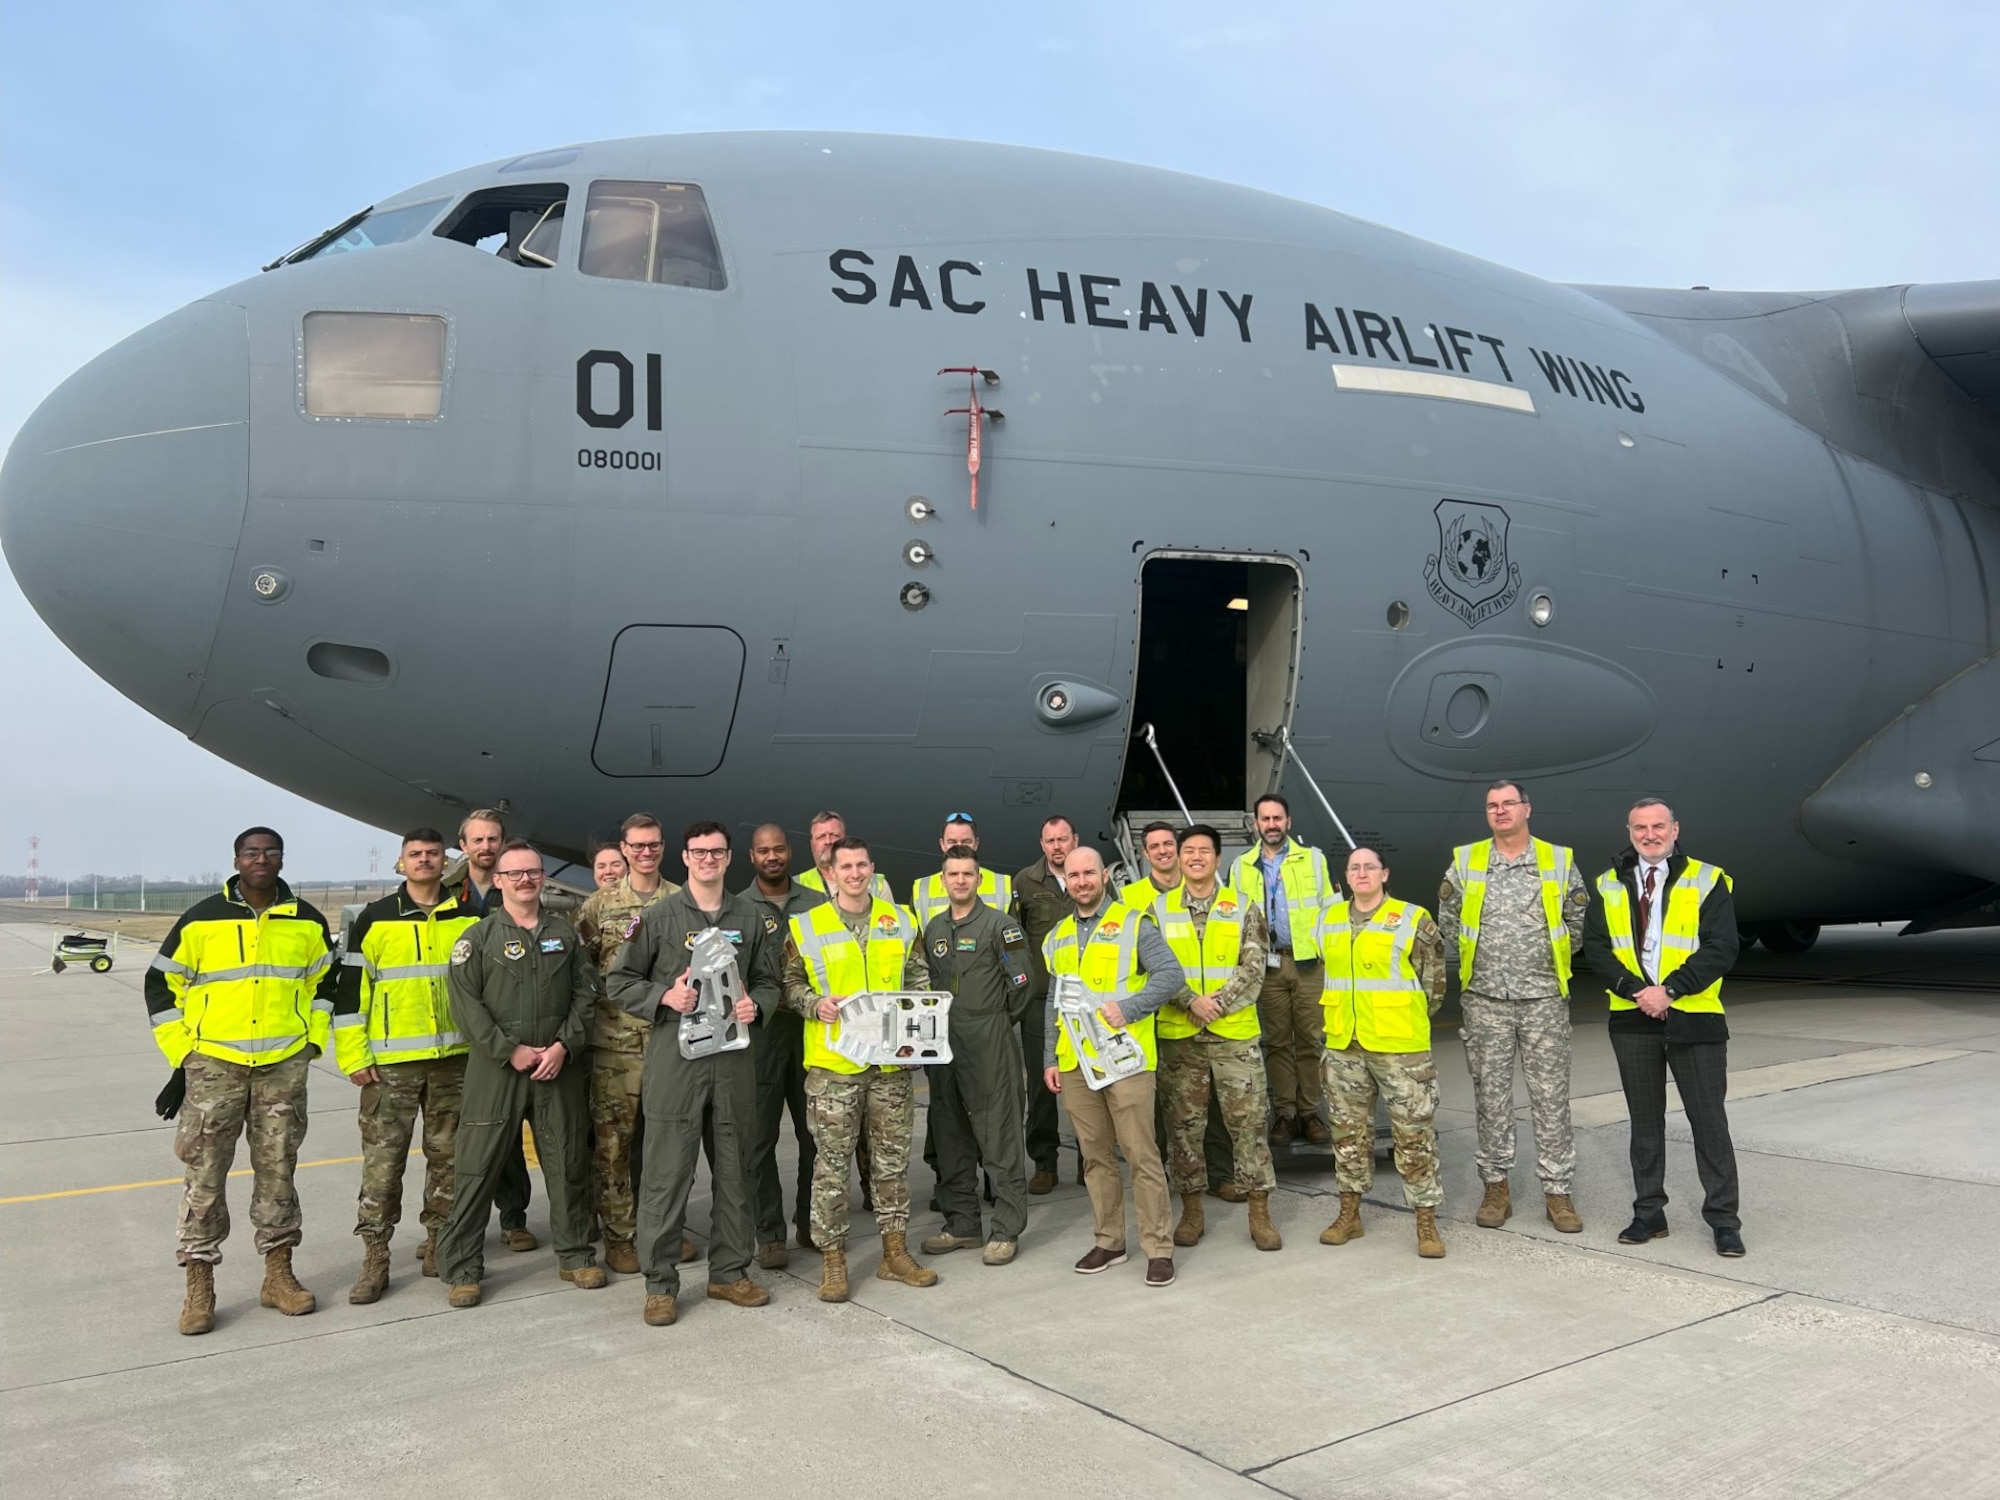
{"x": 34, "y": 886}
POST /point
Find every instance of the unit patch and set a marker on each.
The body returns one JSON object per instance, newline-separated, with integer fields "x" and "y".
{"x": 968, "y": 945}
{"x": 886, "y": 923}
{"x": 461, "y": 951}
{"x": 1471, "y": 574}
{"x": 515, "y": 949}
{"x": 940, "y": 948}
{"x": 632, "y": 927}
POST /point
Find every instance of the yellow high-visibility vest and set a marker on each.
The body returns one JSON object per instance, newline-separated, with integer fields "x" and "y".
{"x": 242, "y": 985}
{"x": 1308, "y": 888}
{"x": 1372, "y": 992}
{"x": 1208, "y": 960}
{"x": 1552, "y": 861}
{"x": 1109, "y": 966}
{"x": 404, "y": 1008}
{"x": 837, "y": 964}
{"x": 1680, "y": 931}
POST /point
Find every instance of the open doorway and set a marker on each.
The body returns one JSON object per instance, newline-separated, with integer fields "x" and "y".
{"x": 1218, "y": 656}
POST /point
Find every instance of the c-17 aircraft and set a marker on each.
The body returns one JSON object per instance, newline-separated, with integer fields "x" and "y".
{"x": 732, "y": 475}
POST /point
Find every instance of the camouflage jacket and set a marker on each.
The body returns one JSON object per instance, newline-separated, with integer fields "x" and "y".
{"x": 608, "y": 919}
{"x": 1513, "y": 960}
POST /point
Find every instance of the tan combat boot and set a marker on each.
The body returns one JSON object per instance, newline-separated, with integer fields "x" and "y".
{"x": 374, "y": 1278}
{"x": 742, "y": 1292}
{"x": 281, "y": 1287}
{"x": 897, "y": 1265}
{"x": 833, "y": 1276}
{"x": 621, "y": 1256}
{"x": 427, "y": 1254}
{"x": 1194, "y": 1222}
{"x": 660, "y": 1310}
{"x": 1429, "y": 1244}
{"x": 1263, "y": 1233}
{"x": 198, "y": 1312}
{"x": 1496, "y": 1208}
{"x": 1348, "y": 1225}
{"x": 1563, "y": 1214}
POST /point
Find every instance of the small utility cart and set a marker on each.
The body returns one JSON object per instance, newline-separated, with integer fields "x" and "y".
{"x": 82, "y": 948}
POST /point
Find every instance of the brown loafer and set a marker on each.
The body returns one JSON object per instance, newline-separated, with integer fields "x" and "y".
{"x": 739, "y": 1293}
{"x": 1099, "y": 1259}
{"x": 1160, "y": 1271}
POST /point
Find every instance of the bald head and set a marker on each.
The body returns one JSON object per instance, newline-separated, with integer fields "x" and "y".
{"x": 1083, "y": 875}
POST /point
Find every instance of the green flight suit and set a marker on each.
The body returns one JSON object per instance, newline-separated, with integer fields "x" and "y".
{"x": 778, "y": 1043}
{"x": 687, "y": 1098}
{"x": 510, "y": 987}
{"x": 978, "y": 1097}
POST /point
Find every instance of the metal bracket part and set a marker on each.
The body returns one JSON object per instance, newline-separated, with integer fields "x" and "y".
{"x": 1104, "y": 1054}
{"x": 895, "y": 1028}
{"x": 712, "y": 1027}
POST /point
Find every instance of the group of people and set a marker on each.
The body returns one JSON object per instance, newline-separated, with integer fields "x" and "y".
{"x": 1191, "y": 1021}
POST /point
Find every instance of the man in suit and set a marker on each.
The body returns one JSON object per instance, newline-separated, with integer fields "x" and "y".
{"x": 1661, "y": 933}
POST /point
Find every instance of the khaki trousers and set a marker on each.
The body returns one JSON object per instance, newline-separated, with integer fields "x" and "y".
{"x": 1119, "y": 1117}
{"x": 1294, "y": 1028}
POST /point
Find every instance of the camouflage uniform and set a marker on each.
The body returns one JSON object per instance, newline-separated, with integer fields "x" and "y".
{"x": 224, "y": 1100}
{"x": 389, "y": 1111}
{"x": 1192, "y": 1068}
{"x": 617, "y": 1059}
{"x": 1515, "y": 1003}
{"x": 878, "y": 1105}
{"x": 1407, "y": 1082}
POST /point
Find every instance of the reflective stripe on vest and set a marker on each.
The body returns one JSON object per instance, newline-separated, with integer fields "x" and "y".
{"x": 1680, "y": 931}
{"x": 1372, "y": 992}
{"x": 929, "y": 897}
{"x": 238, "y": 972}
{"x": 1470, "y": 863}
{"x": 1308, "y": 888}
{"x": 1109, "y": 966}
{"x": 1208, "y": 960}
{"x": 405, "y": 1009}
{"x": 837, "y": 964}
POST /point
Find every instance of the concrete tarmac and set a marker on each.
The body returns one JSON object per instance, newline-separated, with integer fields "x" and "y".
{"x": 1856, "y": 1350}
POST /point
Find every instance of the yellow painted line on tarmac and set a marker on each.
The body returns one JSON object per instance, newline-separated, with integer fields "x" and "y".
{"x": 528, "y": 1148}
{"x": 126, "y": 1187}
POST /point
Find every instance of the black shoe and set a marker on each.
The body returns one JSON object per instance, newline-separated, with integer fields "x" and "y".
{"x": 1729, "y": 1242}
{"x": 1639, "y": 1232}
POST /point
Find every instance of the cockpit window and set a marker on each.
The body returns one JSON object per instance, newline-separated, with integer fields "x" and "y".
{"x": 377, "y": 227}
{"x": 520, "y": 223}
{"x": 650, "y": 231}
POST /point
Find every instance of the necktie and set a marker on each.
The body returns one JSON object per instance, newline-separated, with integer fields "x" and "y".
{"x": 1646, "y": 904}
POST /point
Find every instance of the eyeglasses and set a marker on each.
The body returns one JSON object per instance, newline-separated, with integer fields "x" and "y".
{"x": 722, "y": 853}
{"x": 653, "y": 848}
{"x": 1504, "y": 806}
{"x": 1363, "y": 869}
{"x": 253, "y": 855}
{"x": 519, "y": 877}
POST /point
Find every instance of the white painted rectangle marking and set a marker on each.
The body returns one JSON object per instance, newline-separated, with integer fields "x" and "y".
{"x": 1427, "y": 383}
{"x": 1777, "y": 1078}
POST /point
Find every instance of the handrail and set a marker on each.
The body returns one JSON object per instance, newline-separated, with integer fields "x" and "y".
{"x": 1283, "y": 735}
{"x": 1153, "y": 744}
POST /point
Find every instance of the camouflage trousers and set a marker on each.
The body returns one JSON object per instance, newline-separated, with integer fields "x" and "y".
{"x": 1539, "y": 1030}
{"x": 1193, "y": 1067}
{"x": 1408, "y": 1083}
{"x": 839, "y": 1108}
{"x": 225, "y": 1100}
{"x": 615, "y": 1079}
{"x": 389, "y": 1112}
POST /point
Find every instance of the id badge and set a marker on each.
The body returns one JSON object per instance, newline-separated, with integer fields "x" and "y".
{"x": 1272, "y": 960}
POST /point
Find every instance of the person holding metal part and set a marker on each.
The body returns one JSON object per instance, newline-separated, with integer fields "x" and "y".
{"x": 1042, "y": 901}
{"x": 1127, "y": 972}
{"x": 854, "y": 944}
{"x": 688, "y": 1097}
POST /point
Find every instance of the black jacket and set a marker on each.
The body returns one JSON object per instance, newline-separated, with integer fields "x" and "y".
{"x": 1714, "y": 958}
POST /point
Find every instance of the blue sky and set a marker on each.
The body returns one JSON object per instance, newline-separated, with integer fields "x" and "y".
{"x": 151, "y": 153}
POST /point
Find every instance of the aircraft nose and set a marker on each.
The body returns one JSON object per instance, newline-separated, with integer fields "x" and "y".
{"x": 122, "y": 499}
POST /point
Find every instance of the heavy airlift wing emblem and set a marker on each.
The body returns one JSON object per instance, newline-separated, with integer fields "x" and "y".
{"x": 1471, "y": 574}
